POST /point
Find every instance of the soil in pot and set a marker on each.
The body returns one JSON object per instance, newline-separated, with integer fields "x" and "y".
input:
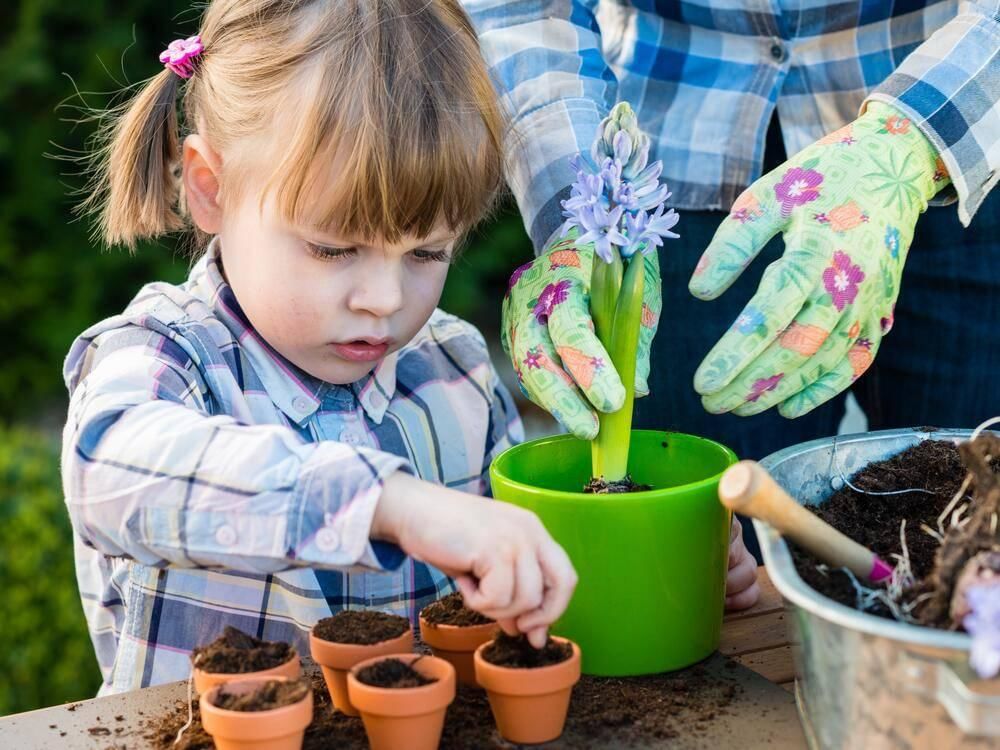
{"x": 600, "y": 486}
{"x": 235, "y": 652}
{"x": 517, "y": 652}
{"x": 451, "y": 610}
{"x": 394, "y": 674}
{"x": 268, "y": 696}
{"x": 361, "y": 627}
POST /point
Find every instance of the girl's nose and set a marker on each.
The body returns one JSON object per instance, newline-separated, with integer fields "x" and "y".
{"x": 379, "y": 290}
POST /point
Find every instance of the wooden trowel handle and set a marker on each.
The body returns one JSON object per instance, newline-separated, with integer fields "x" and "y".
{"x": 747, "y": 488}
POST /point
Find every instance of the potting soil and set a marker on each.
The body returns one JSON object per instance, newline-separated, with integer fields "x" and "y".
{"x": 266, "y": 697}
{"x": 451, "y": 610}
{"x": 517, "y": 651}
{"x": 235, "y": 652}
{"x": 394, "y": 674}
{"x": 361, "y": 627}
{"x": 600, "y": 486}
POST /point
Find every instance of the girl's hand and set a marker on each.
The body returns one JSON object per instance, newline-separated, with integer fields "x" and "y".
{"x": 504, "y": 561}
{"x": 742, "y": 590}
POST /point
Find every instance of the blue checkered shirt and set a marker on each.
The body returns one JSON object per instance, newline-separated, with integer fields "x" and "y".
{"x": 705, "y": 77}
{"x": 211, "y": 483}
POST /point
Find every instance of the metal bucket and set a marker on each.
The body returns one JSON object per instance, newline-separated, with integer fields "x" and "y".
{"x": 865, "y": 682}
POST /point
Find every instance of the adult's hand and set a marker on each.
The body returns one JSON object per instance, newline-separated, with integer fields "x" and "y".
{"x": 847, "y": 206}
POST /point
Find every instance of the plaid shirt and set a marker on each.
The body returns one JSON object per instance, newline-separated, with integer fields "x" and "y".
{"x": 705, "y": 77}
{"x": 211, "y": 483}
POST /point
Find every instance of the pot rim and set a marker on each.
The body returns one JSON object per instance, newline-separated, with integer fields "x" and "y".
{"x": 414, "y": 701}
{"x": 464, "y": 638}
{"x": 496, "y": 471}
{"x": 790, "y": 585}
{"x": 531, "y": 681}
{"x": 343, "y": 656}
{"x": 260, "y": 724}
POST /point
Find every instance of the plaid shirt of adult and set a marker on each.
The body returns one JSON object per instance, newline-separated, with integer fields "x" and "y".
{"x": 705, "y": 76}
{"x": 212, "y": 483}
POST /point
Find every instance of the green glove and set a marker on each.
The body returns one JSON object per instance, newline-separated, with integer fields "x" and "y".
{"x": 847, "y": 206}
{"x": 549, "y": 336}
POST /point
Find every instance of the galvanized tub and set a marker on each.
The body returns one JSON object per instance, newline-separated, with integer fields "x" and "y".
{"x": 865, "y": 682}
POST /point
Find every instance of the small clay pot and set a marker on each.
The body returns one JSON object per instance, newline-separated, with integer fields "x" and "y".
{"x": 337, "y": 659}
{"x": 457, "y": 644}
{"x": 405, "y": 717}
{"x": 529, "y": 705}
{"x": 205, "y": 681}
{"x": 278, "y": 729}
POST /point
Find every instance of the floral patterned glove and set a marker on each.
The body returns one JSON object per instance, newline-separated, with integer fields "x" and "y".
{"x": 847, "y": 206}
{"x": 549, "y": 336}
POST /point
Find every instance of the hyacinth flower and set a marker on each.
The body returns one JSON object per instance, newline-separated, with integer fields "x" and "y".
{"x": 617, "y": 205}
{"x": 983, "y": 624}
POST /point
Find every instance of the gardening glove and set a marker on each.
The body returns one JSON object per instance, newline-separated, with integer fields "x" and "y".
{"x": 549, "y": 336}
{"x": 846, "y": 206}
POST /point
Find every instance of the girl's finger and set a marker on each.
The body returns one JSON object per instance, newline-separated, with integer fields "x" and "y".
{"x": 559, "y": 583}
{"x": 495, "y": 589}
{"x": 745, "y": 599}
{"x": 741, "y": 577}
{"x": 508, "y": 625}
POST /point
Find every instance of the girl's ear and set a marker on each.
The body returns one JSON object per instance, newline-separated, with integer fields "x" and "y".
{"x": 202, "y": 172}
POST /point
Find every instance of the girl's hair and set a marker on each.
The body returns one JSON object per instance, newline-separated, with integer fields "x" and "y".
{"x": 365, "y": 118}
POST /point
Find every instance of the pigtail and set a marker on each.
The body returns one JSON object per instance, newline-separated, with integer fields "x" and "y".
{"x": 135, "y": 183}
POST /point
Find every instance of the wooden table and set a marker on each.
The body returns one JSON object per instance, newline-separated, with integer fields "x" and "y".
{"x": 764, "y": 716}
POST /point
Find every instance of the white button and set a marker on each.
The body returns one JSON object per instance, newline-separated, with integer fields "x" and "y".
{"x": 301, "y": 404}
{"x": 350, "y": 437}
{"x": 327, "y": 539}
{"x": 226, "y": 536}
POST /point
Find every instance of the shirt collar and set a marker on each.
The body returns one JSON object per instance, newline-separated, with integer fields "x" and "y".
{"x": 295, "y": 392}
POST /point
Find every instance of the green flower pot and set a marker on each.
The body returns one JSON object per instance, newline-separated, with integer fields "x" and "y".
{"x": 652, "y": 565}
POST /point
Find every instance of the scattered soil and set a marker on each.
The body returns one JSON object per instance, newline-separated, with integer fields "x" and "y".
{"x": 272, "y": 694}
{"x": 598, "y": 486}
{"x": 452, "y": 611}
{"x": 235, "y": 652}
{"x": 517, "y": 652}
{"x": 393, "y": 673}
{"x": 361, "y": 627}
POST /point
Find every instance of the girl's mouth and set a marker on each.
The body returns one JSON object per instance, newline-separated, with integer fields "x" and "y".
{"x": 362, "y": 350}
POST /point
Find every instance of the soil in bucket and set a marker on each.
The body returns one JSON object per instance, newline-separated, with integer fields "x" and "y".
{"x": 268, "y": 696}
{"x": 451, "y": 610}
{"x": 361, "y": 627}
{"x": 518, "y": 653}
{"x": 600, "y": 486}
{"x": 235, "y": 652}
{"x": 394, "y": 674}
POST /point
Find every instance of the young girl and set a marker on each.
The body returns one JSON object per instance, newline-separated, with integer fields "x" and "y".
{"x": 296, "y": 429}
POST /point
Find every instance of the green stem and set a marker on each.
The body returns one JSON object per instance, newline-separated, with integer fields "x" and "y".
{"x": 609, "y": 450}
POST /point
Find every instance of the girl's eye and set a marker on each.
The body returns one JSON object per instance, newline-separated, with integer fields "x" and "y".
{"x": 431, "y": 256}
{"x": 324, "y": 252}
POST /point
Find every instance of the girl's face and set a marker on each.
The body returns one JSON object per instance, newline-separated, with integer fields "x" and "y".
{"x": 332, "y": 306}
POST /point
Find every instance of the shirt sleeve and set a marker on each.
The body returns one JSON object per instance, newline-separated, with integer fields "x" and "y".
{"x": 505, "y": 428}
{"x": 546, "y": 61}
{"x": 149, "y": 473}
{"x": 949, "y": 87}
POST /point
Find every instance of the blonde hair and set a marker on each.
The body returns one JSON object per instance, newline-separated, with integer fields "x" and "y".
{"x": 364, "y": 118}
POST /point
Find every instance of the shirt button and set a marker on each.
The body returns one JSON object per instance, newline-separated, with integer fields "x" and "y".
{"x": 226, "y": 536}
{"x": 301, "y": 404}
{"x": 350, "y": 437}
{"x": 327, "y": 539}
{"x": 778, "y": 51}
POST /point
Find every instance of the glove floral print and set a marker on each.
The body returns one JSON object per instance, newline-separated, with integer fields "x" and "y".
{"x": 847, "y": 207}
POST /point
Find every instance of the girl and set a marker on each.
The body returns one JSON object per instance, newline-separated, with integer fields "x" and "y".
{"x": 296, "y": 429}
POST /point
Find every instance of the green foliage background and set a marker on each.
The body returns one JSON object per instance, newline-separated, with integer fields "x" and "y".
{"x": 54, "y": 282}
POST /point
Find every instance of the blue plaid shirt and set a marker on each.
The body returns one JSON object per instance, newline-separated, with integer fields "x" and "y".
{"x": 705, "y": 76}
{"x": 211, "y": 483}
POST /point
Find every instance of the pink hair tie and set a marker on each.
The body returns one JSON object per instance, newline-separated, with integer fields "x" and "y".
{"x": 180, "y": 54}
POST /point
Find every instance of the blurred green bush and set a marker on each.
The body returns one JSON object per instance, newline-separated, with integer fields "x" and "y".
{"x": 46, "y": 655}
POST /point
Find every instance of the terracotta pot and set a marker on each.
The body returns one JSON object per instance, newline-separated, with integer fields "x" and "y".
{"x": 336, "y": 660}
{"x": 405, "y": 717}
{"x": 279, "y": 729}
{"x": 205, "y": 681}
{"x": 457, "y": 644}
{"x": 529, "y": 705}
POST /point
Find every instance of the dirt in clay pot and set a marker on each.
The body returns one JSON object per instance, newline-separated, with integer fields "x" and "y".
{"x": 529, "y": 689}
{"x": 258, "y": 712}
{"x": 338, "y": 643}
{"x": 235, "y": 655}
{"x": 402, "y": 699}
{"x": 454, "y": 632}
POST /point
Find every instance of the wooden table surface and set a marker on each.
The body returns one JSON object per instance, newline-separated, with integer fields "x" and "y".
{"x": 764, "y": 717}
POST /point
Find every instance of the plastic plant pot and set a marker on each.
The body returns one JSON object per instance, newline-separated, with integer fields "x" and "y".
{"x": 529, "y": 705}
{"x": 651, "y": 565}
{"x": 337, "y": 659}
{"x": 278, "y": 729}
{"x": 457, "y": 644}
{"x": 410, "y": 718}
{"x": 205, "y": 681}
